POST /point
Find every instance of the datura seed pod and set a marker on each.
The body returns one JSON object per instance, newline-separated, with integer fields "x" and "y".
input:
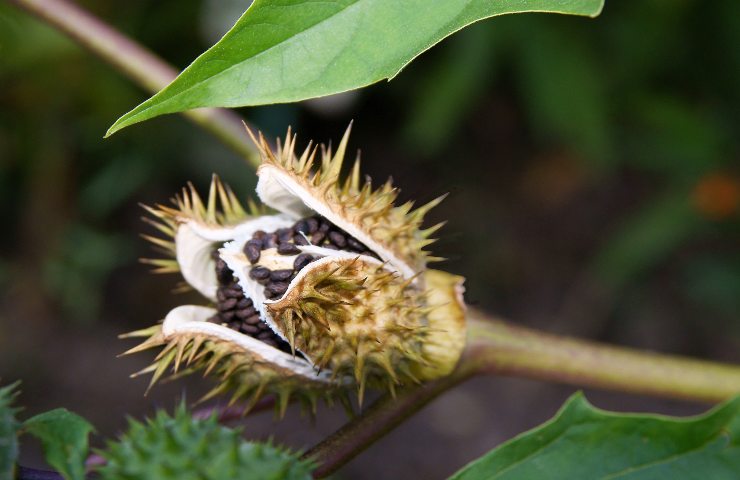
{"x": 322, "y": 290}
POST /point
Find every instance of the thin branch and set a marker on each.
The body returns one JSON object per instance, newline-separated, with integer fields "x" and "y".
{"x": 137, "y": 63}
{"x": 26, "y": 473}
{"x": 381, "y": 417}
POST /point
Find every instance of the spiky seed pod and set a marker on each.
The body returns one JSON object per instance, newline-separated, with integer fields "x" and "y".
{"x": 245, "y": 367}
{"x": 182, "y": 448}
{"x": 330, "y": 292}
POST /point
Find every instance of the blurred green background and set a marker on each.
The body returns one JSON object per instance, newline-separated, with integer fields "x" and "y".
{"x": 592, "y": 165}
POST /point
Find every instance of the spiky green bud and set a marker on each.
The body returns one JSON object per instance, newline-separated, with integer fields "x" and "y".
{"x": 182, "y": 448}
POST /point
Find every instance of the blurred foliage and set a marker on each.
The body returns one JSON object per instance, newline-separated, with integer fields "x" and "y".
{"x": 604, "y": 151}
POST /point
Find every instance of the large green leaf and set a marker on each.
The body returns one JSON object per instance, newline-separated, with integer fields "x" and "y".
{"x": 585, "y": 442}
{"x": 289, "y": 50}
{"x": 64, "y": 436}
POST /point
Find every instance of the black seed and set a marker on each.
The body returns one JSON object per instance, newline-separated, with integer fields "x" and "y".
{"x": 276, "y": 288}
{"x": 313, "y": 224}
{"x": 245, "y": 312}
{"x": 223, "y": 274}
{"x": 259, "y": 273}
{"x": 244, "y": 303}
{"x": 214, "y": 319}
{"x": 338, "y": 239}
{"x": 301, "y": 261}
{"x": 253, "y": 320}
{"x": 228, "y": 304}
{"x": 284, "y": 234}
{"x": 252, "y": 251}
{"x": 228, "y": 316}
{"x": 220, "y": 295}
{"x": 233, "y": 292}
{"x": 286, "y": 248}
{"x": 300, "y": 240}
{"x": 270, "y": 241}
{"x": 248, "y": 329}
{"x": 301, "y": 226}
{"x": 266, "y": 335}
{"x": 331, "y": 246}
{"x": 280, "y": 275}
{"x": 325, "y": 226}
{"x": 259, "y": 235}
{"x": 355, "y": 245}
{"x": 317, "y": 238}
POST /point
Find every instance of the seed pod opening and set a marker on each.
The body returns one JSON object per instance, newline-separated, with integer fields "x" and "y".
{"x": 301, "y": 186}
{"x": 329, "y": 292}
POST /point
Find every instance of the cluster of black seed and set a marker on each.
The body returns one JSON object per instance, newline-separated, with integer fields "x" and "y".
{"x": 310, "y": 230}
{"x": 237, "y": 312}
{"x": 315, "y": 230}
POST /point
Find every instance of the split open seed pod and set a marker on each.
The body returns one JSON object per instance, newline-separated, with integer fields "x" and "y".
{"x": 331, "y": 293}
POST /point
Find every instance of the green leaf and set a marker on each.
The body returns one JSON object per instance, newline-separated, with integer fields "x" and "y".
{"x": 8, "y": 431}
{"x": 64, "y": 436}
{"x": 291, "y": 50}
{"x": 585, "y": 442}
{"x": 182, "y": 448}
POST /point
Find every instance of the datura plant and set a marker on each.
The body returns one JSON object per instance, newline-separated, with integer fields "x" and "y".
{"x": 323, "y": 290}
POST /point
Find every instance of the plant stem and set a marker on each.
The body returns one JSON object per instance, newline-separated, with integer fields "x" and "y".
{"x": 500, "y": 348}
{"x": 137, "y": 63}
{"x": 381, "y": 417}
{"x": 26, "y": 473}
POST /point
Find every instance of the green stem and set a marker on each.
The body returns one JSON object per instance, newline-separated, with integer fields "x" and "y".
{"x": 500, "y": 348}
{"x": 380, "y": 418}
{"x": 137, "y": 63}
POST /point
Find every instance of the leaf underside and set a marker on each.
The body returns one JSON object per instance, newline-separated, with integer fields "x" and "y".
{"x": 584, "y": 442}
{"x": 290, "y": 50}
